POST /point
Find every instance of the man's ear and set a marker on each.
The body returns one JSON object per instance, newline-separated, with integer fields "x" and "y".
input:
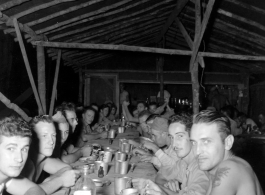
{"x": 229, "y": 140}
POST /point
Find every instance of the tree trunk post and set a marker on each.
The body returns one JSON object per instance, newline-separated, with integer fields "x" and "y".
{"x": 41, "y": 76}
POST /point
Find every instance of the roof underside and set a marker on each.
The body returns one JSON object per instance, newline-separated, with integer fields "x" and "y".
{"x": 235, "y": 26}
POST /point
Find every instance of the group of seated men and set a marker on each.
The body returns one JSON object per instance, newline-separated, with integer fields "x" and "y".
{"x": 193, "y": 156}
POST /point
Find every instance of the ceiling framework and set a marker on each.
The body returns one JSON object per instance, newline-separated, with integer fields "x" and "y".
{"x": 234, "y": 27}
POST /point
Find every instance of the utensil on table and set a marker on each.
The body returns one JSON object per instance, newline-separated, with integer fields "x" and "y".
{"x": 121, "y": 167}
{"x": 121, "y": 183}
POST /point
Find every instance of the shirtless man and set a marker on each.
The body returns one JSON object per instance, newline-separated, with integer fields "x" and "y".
{"x": 40, "y": 160}
{"x": 15, "y": 138}
{"x": 212, "y": 140}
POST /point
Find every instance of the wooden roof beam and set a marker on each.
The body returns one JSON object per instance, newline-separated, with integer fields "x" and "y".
{"x": 144, "y": 49}
{"x": 10, "y": 4}
{"x": 37, "y": 8}
{"x": 102, "y": 10}
{"x": 133, "y": 15}
{"x": 179, "y": 6}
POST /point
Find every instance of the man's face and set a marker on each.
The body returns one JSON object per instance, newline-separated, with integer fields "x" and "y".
{"x": 207, "y": 145}
{"x": 140, "y": 107}
{"x": 64, "y": 131}
{"x": 180, "y": 139}
{"x": 71, "y": 118}
{"x": 47, "y": 137}
{"x": 143, "y": 124}
{"x": 13, "y": 155}
{"x": 159, "y": 138}
{"x": 88, "y": 117}
{"x": 113, "y": 111}
{"x": 105, "y": 111}
{"x": 261, "y": 119}
{"x": 152, "y": 108}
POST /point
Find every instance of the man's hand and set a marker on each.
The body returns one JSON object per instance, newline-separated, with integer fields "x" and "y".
{"x": 134, "y": 143}
{"x": 69, "y": 177}
{"x": 104, "y": 135}
{"x": 151, "y": 146}
{"x": 146, "y": 158}
{"x": 146, "y": 186}
{"x": 173, "y": 185}
{"x": 140, "y": 151}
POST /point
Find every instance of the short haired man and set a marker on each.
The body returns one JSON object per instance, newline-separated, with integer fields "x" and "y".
{"x": 140, "y": 107}
{"x": 69, "y": 112}
{"x": 61, "y": 173}
{"x": 228, "y": 113}
{"x": 262, "y": 122}
{"x": 165, "y": 157}
{"x": 245, "y": 122}
{"x": 67, "y": 153}
{"x": 186, "y": 170}
{"x": 15, "y": 138}
{"x": 87, "y": 133}
{"x": 152, "y": 107}
{"x": 212, "y": 141}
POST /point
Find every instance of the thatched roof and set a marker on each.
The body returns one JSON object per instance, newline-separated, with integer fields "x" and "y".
{"x": 235, "y": 26}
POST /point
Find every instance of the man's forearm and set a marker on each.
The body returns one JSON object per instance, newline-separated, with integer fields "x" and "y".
{"x": 35, "y": 190}
{"x": 167, "y": 191}
{"x": 52, "y": 185}
{"x": 73, "y": 157}
{"x": 129, "y": 116}
{"x": 160, "y": 180}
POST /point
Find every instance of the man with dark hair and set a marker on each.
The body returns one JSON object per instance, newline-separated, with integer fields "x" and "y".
{"x": 184, "y": 171}
{"x": 68, "y": 110}
{"x": 40, "y": 160}
{"x": 212, "y": 142}
{"x": 262, "y": 122}
{"x": 152, "y": 107}
{"x": 143, "y": 128}
{"x": 15, "y": 138}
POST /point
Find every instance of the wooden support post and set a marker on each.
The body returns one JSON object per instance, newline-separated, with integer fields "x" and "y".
{"x": 80, "y": 86}
{"x": 195, "y": 89}
{"x": 25, "y": 57}
{"x": 41, "y": 76}
{"x": 160, "y": 65}
{"x": 54, "y": 88}
{"x": 199, "y": 33}
{"x": 87, "y": 92}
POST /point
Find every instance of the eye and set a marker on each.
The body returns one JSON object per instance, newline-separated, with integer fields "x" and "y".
{"x": 193, "y": 143}
{"x": 180, "y": 136}
{"x": 44, "y": 135}
{"x": 206, "y": 142}
{"x": 25, "y": 149}
{"x": 11, "y": 149}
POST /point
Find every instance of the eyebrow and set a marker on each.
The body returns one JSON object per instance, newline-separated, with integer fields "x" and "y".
{"x": 11, "y": 144}
{"x": 179, "y": 133}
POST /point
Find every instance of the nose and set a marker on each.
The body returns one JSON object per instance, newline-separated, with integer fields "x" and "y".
{"x": 75, "y": 122}
{"x": 18, "y": 157}
{"x": 51, "y": 140}
{"x": 198, "y": 149}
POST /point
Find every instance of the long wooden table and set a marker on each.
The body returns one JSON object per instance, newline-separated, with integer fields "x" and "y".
{"x": 142, "y": 169}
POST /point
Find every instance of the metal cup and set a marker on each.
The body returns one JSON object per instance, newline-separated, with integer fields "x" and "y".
{"x": 107, "y": 156}
{"x": 111, "y": 134}
{"x": 122, "y": 141}
{"x": 126, "y": 147}
{"x": 121, "y": 183}
{"x": 121, "y": 130}
{"x": 129, "y": 191}
{"x": 121, "y": 167}
{"x": 120, "y": 156}
{"x": 101, "y": 164}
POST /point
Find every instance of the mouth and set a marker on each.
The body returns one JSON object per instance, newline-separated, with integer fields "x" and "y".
{"x": 201, "y": 160}
{"x": 16, "y": 167}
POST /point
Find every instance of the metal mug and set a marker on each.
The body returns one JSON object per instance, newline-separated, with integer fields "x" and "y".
{"x": 101, "y": 164}
{"x": 106, "y": 156}
{"x": 111, "y": 134}
{"x": 121, "y": 167}
{"x": 126, "y": 147}
{"x": 121, "y": 156}
{"x": 129, "y": 191}
{"x": 122, "y": 141}
{"x": 121, "y": 183}
{"x": 121, "y": 130}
